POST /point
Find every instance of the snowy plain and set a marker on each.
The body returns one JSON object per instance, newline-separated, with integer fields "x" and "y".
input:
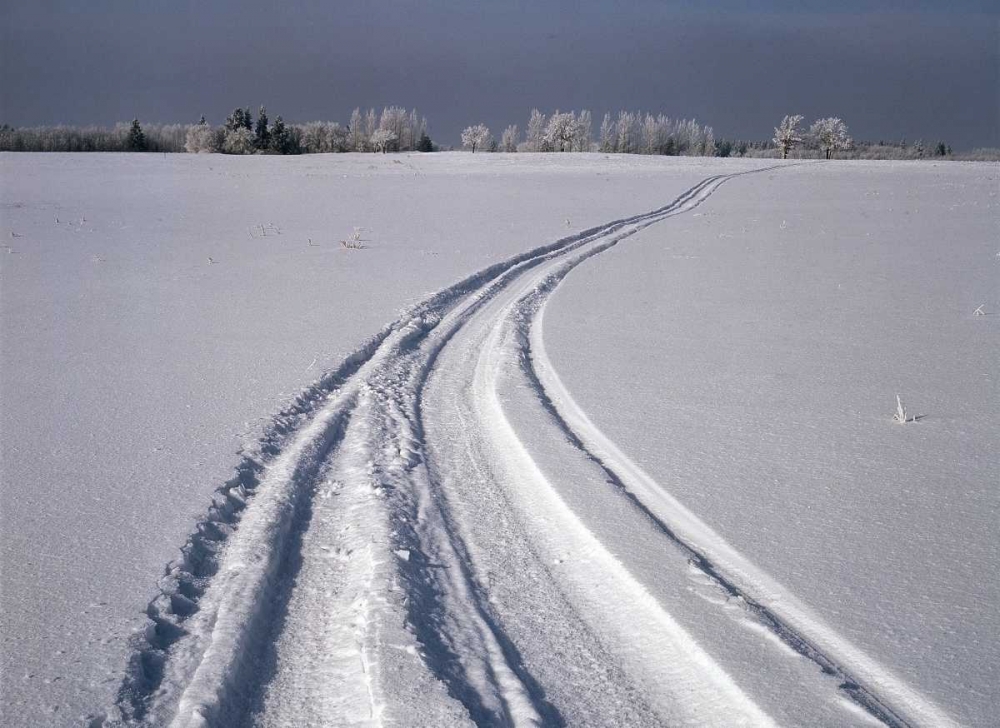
{"x": 158, "y": 312}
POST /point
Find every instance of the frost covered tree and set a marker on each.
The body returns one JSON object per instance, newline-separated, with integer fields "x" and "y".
{"x": 476, "y": 137}
{"x": 628, "y": 133}
{"x": 394, "y": 120}
{"x": 535, "y": 138}
{"x": 508, "y": 140}
{"x": 371, "y": 123}
{"x": 382, "y": 140}
{"x": 319, "y": 137}
{"x": 655, "y": 132}
{"x": 831, "y": 135}
{"x": 201, "y": 138}
{"x": 239, "y": 141}
{"x": 607, "y": 135}
{"x": 357, "y": 132}
{"x": 584, "y": 129}
{"x": 787, "y": 134}
{"x": 561, "y": 131}
{"x": 409, "y": 128}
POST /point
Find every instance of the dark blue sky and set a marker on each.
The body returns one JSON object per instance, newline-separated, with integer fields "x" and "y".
{"x": 890, "y": 69}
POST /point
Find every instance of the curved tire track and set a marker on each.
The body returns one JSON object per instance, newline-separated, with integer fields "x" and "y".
{"x": 238, "y": 633}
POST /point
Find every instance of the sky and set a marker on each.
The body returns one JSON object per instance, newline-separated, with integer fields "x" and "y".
{"x": 891, "y": 70}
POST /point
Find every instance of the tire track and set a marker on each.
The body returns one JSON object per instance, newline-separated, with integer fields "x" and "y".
{"x": 238, "y": 632}
{"x": 867, "y": 684}
{"x": 166, "y": 651}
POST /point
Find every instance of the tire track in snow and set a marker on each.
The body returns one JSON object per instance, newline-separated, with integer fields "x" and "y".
{"x": 177, "y": 633}
{"x": 428, "y": 628}
{"x": 773, "y": 607}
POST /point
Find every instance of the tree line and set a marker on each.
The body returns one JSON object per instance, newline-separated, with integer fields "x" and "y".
{"x": 626, "y": 133}
{"x": 395, "y": 129}
{"x": 829, "y": 137}
{"x": 392, "y": 130}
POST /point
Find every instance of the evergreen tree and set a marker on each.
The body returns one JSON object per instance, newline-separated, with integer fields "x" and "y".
{"x": 136, "y": 139}
{"x": 282, "y": 139}
{"x": 262, "y": 136}
{"x": 239, "y": 119}
{"x": 425, "y": 144}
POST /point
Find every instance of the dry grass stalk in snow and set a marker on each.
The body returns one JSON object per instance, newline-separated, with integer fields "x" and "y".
{"x": 354, "y": 242}
{"x": 900, "y": 415}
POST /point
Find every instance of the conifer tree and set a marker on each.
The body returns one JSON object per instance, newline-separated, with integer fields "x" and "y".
{"x": 262, "y": 135}
{"x": 281, "y": 138}
{"x": 136, "y": 139}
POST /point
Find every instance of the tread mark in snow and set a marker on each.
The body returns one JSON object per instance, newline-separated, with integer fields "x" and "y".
{"x": 430, "y": 632}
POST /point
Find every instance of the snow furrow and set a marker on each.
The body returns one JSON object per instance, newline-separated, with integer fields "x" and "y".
{"x": 681, "y": 684}
{"x": 399, "y": 550}
{"x": 862, "y": 679}
{"x": 210, "y": 597}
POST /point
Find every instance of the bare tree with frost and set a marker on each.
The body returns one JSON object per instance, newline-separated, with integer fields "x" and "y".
{"x": 382, "y": 140}
{"x": 200, "y": 138}
{"x": 535, "y": 140}
{"x": 476, "y": 137}
{"x": 584, "y": 129}
{"x": 787, "y": 134}
{"x": 561, "y": 131}
{"x": 508, "y": 140}
{"x": 239, "y": 141}
{"x": 356, "y": 135}
{"x": 606, "y": 143}
{"x": 371, "y": 123}
{"x": 831, "y": 135}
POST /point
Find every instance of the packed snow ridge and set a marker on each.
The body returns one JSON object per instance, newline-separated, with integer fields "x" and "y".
{"x": 436, "y": 534}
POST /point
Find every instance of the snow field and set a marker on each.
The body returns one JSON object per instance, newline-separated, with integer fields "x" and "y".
{"x": 439, "y": 531}
{"x": 135, "y": 372}
{"x": 761, "y": 343}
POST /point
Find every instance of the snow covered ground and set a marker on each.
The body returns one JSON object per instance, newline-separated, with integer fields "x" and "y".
{"x": 687, "y": 503}
{"x": 750, "y": 366}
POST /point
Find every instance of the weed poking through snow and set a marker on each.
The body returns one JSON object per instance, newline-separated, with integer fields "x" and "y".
{"x": 900, "y": 415}
{"x": 354, "y": 241}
